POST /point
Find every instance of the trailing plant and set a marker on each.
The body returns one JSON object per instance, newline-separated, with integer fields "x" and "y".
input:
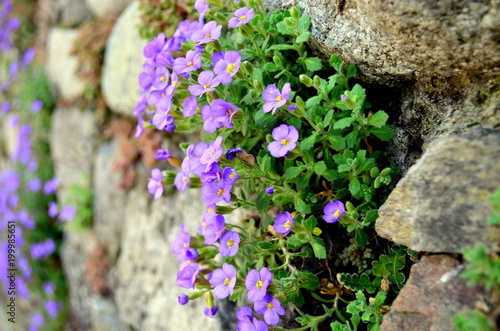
{"x": 289, "y": 138}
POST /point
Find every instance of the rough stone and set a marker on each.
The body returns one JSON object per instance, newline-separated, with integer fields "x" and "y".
{"x": 72, "y": 12}
{"x": 72, "y": 146}
{"x": 109, "y": 200}
{"x": 75, "y": 250}
{"x": 104, "y": 315}
{"x": 442, "y": 204}
{"x": 432, "y": 296}
{"x": 146, "y": 269}
{"x": 61, "y": 65}
{"x": 123, "y": 61}
{"x": 103, "y": 8}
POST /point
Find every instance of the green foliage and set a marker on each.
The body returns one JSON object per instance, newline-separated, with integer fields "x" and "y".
{"x": 482, "y": 268}
{"x": 389, "y": 266}
{"x": 81, "y": 198}
{"x": 473, "y": 321}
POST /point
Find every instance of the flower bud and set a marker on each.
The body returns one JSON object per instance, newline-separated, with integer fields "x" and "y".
{"x": 223, "y": 210}
{"x": 316, "y": 81}
{"x": 374, "y": 172}
{"x": 317, "y": 231}
{"x": 350, "y": 207}
{"x": 258, "y": 85}
{"x": 209, "y": 299}
{"x": 295, "y": 13}
{"x": 248, "y": 67}
{"x": 183, "y": 299}
{"x": 386, "y": 172}
{"x": 306, "y": 80}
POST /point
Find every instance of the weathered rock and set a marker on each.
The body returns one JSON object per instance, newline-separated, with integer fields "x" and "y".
{"x": 72, "y": 12}
{"x": 103, "y": 8}
{"x": 9, "y": 137}
{"x": 75, "y": 250}
{"x": 442, "y": 204}
{"x": 146, "y": 291}
{"x": 109, "y": 200}
{"x": 104, "y": 315}
{"x": 432, "y": 296}
{"x": 72, "y": 146}
{"x": 123, "y": 63}
{"x": 61, "y": 65}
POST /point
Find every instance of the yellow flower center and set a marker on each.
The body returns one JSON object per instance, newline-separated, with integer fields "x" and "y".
{"x": 204, "y": 224}
{"x": 231, "y": 176}
{"x": 210, "y": 210}
{"x": 279, "y": 98}
{"x": 206, "y": 86}
{"x": 190, "y": 63}
{"x": 208, "y": 36}
{"x": 270, "y": 305}
{"x": 229, "y": 112}
{"x": 284, "y": 141}
{"x": 287, "y": 225}
{"x": 259, "y": 284}
{"x": 174, "y": 82}
{"x": 243, "y": 17}
{"x": 230, "y": 243}
{"x": 163, "y": 78}
{"x": 220, "y": 191}
{"x": 230, "y": 68}
{"x": 336, "y": 214}
{"x": 227, "y": 281}
{"x": 184, "y": 179}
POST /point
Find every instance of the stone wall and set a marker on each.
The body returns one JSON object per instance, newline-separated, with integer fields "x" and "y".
{"x": 433, "y": 66}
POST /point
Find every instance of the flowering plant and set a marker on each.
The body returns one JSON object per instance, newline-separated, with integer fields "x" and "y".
{"x": 280, "y": 141}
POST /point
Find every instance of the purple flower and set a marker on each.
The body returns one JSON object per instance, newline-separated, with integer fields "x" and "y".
{"x": 42, "y": 249}
{"x": 230, "y": 176}
{"x": 67, "y": 213}
{"x": 209, "y": 32}
{"x": 28, "y": 57}
{"x": 162, "y": 154}
{"x": 257, "y": 282}
{"x": 220, "y": 114}
{"x": 275, "y": 99}
{"x": 241, "y": 16}
{"x": 212, "y": 154}
{"x": 37, "y": 319}
{"x": 228, "y": 66}
{"x": 216, "y": 191}
{"x": 207, "y": 83}
{"x": 286, "y": 140}
{"x": 52, "y": 212}
{"x": 201, "y": 6}
{"x": 224, "y": 281}
{"x": 269, "y": 307}
{"x": 34, "y": 185}
{"x": 188, "y": 256}
{"x": 231, "y": 153}
{"x": 190, "y": 107}
{"x": 182, "y": 299}
{"x": 208, "y": 218}
{"x": 186, "y": 277}
{"x": 52, "y": 308}
{"x": 36, "y": 106}
{"x": 191, "y": 62}
{"x": 229, "y": 243}
{"x": 216, "y": 58}
{"x": 210, "y": 312}
{"x": 182, "y": 181}
{"x": 181, "y": 242}
{"x": 161, "y": 77}
{"x": 49, "y": 288}
{"x": 214, "y": 230}
{"x": 155, "y": 186}
{"x": 6, "y": 107}
{"x": 194, "y": 154}
{"x": 333, "y": 211}
{"x": 252, "y": 325}
{"x": 283, "y": 223}
{"x": 51, "y": 186}
{"x": 270, "y": 190}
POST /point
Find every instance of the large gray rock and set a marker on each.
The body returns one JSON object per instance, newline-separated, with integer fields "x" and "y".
{"x": 61, "y": 65}
{"x": 432, "y": 296}
{"x": 123, "y": 63}
{"x": 72, "y": 12}
{"x": 109, "y": 200}
{"x": 103, "y": 8}
{"x": 145, "y": 290}
{"x": 442, "y": 204}
{"x": 72, "y": 146}
{"x": 104, "y": 315}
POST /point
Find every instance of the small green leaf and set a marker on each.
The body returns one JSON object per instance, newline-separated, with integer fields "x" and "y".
{"x": 308, "y": 280}
{"x": 337, "y": 142}
{"x": 266, "y": 245}
{"x": 310, "y": 224}
{"x": 301, "y": 206}
{"x": 361, "y": 238}
{"x": 331, "y": 175}
{"x": 344, "y": 168}
{"x": 313, "y": 63}
{"x": 304, "y": 23}
{"x": 351, "y": 70}
{"x": 318, "y": 245}
{"x": 282, "y": 47}
{"x": 263, "y": 200}
{"x": 294, "y": 172}
{"x": 378, "y": 119}
{"x": 328, "y": 118}
{"x": 271, "y": 67}
{"x": 354, "y": 186}
{"x": 265, "y": 163}
{"x": 343, "y": 123}
{"x": 313, "y": 101}
{"x": 309, "y": 142}
{"x": 337, "y": 63}
{"x": 293, "y": 242}
{"x": 302, "y": 37}
{"x": 384, "y": 133}
{"x": 319, "y": 168}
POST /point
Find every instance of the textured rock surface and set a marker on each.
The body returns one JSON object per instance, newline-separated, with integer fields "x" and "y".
{"x": 103, "y": 8}
{"x": 146, "y": 291}
{"x": 105, "y": 315}
{"x": 75, "y": 250}
{"x": 72, "y": 12}
{"x": 61, "y": 66}
{"x": 123, "y": 63}
{"x": 442, "y": 204}
{"x": 432, "y": 296}
{"x": 72, "y": 146}
{"x": 109, "y": 201}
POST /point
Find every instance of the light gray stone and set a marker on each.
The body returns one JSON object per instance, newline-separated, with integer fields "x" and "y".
{"x": 103, "y": 8}
{"x": 72, "y": 12}
{"x": 442, "y": 204}
{"x": 123, "y": 61}
{"x": 9, "y": 136}
{"x": 109, "y": 200}
{"x": 75, "y": 250}
{"x": 61, "y": 65}
{"x": 104, "y": 315}
{"x": 432, "y": 296}
{"x": 146, "y": 291}
{"x": 72, "y": 146}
